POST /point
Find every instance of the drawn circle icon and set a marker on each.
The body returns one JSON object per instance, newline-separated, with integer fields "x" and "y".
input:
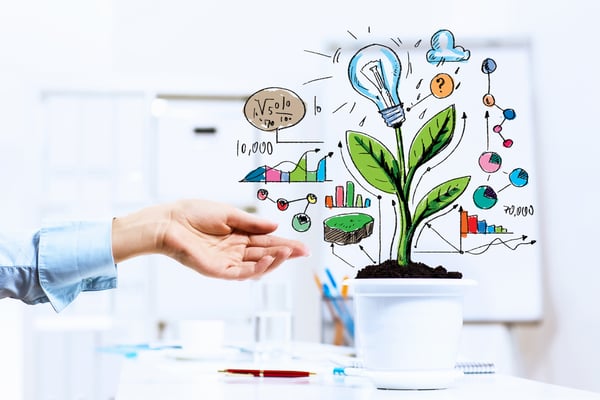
{"x": 301, "y": 222}
{"x": 485, "y": 197}
{"x": 488, "y": 66}
{"x": 442, "y": 86}
{"x": 273, "y": 109}
{"x": 509, "y": 114}
{"x": 311, "y": 198}
{"x": 519, "y": 177}
{"x": 282, "y": 204}
{"x": 489, "y": 100}
{"x": 507, "y": 143}
{"x": 262, "y": 194}
{"x": 490, "y": 162}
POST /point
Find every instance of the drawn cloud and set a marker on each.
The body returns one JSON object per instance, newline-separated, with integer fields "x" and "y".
{"x": 443, "y": 49}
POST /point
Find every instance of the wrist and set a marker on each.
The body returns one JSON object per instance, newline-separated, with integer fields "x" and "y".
{"x": 137, "y": 234}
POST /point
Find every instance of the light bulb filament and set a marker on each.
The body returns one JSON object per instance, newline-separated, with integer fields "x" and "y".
{"x": 374, "y": 67}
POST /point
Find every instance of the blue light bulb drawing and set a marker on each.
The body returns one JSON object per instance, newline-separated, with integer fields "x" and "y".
{"x": 374, "y": 72}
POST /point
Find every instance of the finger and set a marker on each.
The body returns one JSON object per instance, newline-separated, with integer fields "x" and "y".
{"x": 282, "y": 255}
{"x": 269, "y": 263}
{"x": 256, "y": 253}
{"x": 248, "y": 269}
{"x": 247, "y": 222}
{"x": 298, "y": 248}
{"x": 254, "y": 269}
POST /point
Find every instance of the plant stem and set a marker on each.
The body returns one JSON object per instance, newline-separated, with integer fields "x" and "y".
{"x": 400, "y": 151}
{"x": 405, "y": 218}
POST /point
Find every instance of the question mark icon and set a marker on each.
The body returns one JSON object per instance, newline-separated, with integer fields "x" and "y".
{"x": 441, "y": 83}
{"x": 441, "y": 86}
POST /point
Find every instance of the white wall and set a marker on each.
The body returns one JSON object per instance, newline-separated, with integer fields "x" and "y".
{"x": 235, "y": 47}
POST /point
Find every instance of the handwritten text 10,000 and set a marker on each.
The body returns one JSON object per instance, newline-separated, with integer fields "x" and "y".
{"x": 254, "y": 148}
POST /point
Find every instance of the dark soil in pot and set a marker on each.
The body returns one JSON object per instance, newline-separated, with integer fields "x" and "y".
{"x": 391, "y": 269}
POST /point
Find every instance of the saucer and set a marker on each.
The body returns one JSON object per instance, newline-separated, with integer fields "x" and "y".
{"x": 412, "y": 380}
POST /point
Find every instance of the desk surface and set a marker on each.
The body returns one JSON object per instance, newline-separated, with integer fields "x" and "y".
{"x": 160, "y": 376}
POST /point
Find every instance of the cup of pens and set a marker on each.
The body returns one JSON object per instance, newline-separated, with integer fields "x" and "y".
{"x": 337, "y": 316}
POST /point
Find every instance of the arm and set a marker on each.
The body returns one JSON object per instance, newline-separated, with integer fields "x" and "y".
{"x": 57, "y": 263}
{"x": 214, "y": 239}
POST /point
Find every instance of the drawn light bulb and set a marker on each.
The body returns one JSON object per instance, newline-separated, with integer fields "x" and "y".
{"x": 374, "y": 72}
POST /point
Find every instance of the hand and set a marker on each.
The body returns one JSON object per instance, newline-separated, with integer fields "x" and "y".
{"x": 214, "y": 239}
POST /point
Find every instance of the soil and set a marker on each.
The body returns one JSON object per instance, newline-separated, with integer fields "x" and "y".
{"x": 391, "y": 269}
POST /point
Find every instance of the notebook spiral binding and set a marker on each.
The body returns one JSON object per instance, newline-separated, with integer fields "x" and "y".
{"x": 474, "y": 367}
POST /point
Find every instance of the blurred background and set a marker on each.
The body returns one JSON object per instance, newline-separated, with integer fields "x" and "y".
{"x": 102, "y": 104}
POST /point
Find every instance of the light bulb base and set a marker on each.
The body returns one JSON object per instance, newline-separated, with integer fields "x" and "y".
{"x": 393, "y": 116}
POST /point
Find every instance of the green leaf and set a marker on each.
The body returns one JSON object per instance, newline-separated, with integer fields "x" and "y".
{"x": 374, "y": 161}
{"x": 440, "y": 197}
{"x": 432, "y": 138}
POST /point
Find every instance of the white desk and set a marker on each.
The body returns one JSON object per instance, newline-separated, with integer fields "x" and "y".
{"x": 156, "y": 376}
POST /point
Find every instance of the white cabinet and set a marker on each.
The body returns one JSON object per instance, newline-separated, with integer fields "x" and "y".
{"x": 199, "y": 154}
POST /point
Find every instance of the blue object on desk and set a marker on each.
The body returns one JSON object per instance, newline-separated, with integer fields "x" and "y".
{"x": 132, "y": 350}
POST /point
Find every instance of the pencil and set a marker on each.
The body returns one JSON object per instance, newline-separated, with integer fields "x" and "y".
{"x": 344, "y": 291}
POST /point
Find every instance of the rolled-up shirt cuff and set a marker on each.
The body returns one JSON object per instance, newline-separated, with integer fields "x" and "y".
{"x": 75, "y": 257}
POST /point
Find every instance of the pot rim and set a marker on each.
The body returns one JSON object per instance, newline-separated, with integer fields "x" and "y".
{"x": 410, "y": 286}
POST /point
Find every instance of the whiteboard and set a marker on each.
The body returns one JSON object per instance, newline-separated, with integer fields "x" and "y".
{"x": 505, "y": 262}
{"x": 493, "y": 143}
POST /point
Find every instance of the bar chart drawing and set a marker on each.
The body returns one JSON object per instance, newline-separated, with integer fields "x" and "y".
{"x": 471, "y": 224}
{"x": 346, "y": 198}
{"x": 298, "y": 172}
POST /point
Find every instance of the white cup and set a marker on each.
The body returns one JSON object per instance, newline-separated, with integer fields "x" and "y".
{"x": 201, "y": 336}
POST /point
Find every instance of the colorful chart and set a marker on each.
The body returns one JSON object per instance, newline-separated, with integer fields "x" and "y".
{"x": 347, "y": 199}
{"x": 298, "y": 173}
{"x": 471, "y": 224}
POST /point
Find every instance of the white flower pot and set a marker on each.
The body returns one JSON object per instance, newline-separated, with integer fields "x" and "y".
{"x": 407, "y": 330}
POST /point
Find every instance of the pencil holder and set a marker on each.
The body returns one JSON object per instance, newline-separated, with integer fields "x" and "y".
{"x": 337, "y": 320}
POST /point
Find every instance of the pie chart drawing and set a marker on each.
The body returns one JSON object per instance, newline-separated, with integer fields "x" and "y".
{"x": 485, "y": 197}
{"x": 519, "y": 177}
{"x": 490, "y": 161}
{"x": 301, "y": 222}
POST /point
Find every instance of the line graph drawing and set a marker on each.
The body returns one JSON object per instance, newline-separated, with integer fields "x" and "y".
{"x": 288, "y": 171}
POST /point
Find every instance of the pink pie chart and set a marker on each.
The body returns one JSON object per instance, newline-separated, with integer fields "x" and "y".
{"x": 490, "y": 161}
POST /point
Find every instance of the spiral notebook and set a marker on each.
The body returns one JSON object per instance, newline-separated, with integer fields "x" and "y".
{"x": 466, "y": 367}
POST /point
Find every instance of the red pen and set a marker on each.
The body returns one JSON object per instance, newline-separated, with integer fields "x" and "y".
{"x": 269, "y": 373}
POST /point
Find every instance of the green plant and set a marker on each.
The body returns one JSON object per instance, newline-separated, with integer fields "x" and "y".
{"x": 394, "y": 175}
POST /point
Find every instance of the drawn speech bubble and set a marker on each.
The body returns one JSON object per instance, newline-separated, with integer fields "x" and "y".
{"x": 274, "y": 108}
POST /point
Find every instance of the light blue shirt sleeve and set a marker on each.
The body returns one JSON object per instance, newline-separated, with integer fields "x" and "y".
{"x": 57, "y": 263}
